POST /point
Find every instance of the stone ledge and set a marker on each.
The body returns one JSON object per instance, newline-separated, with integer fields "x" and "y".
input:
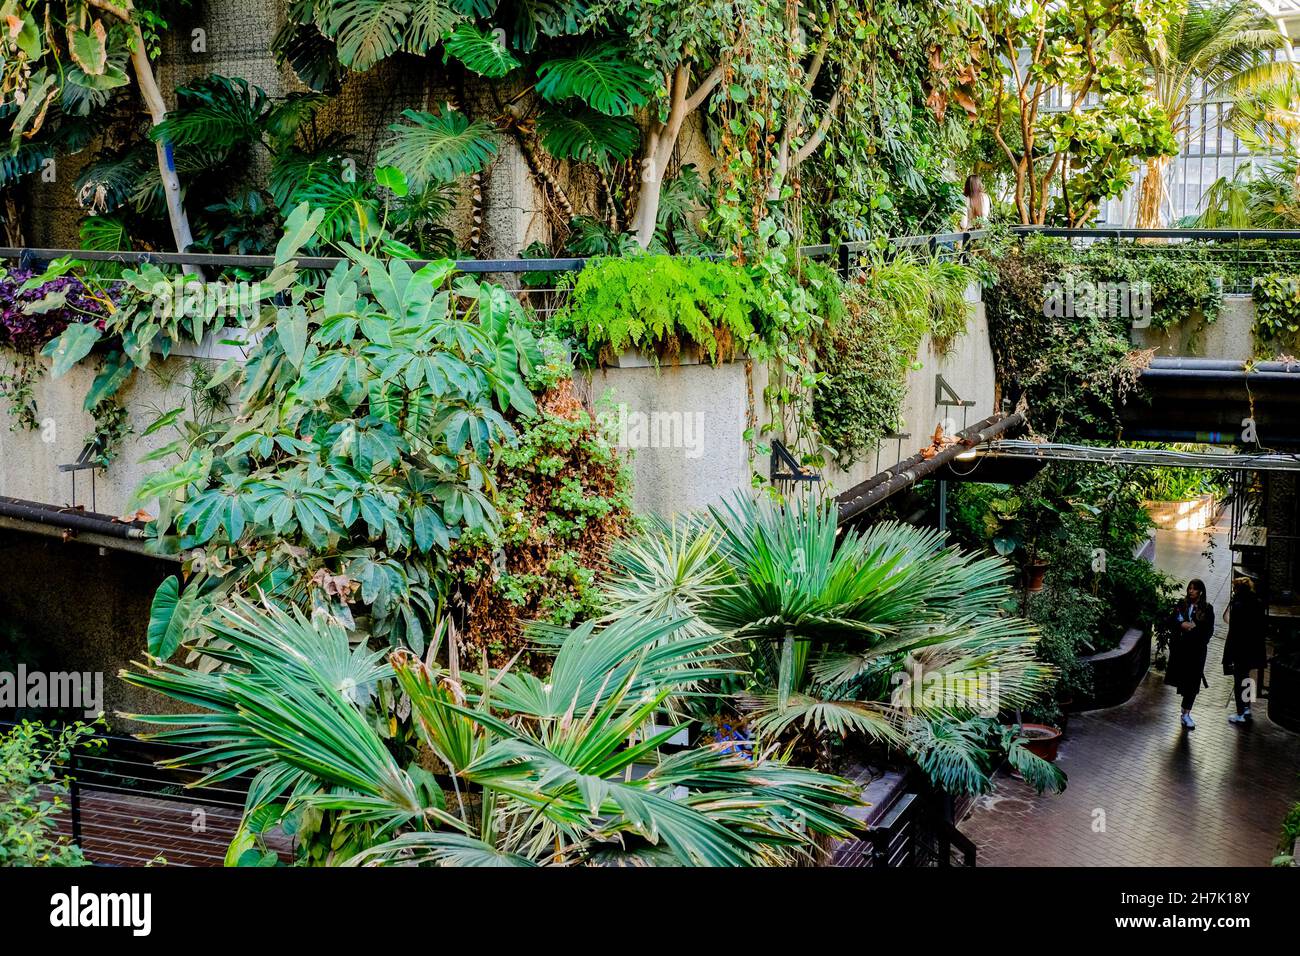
{"x": 1116, "y": 673}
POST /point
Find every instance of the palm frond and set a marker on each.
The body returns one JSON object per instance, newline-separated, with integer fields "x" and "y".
{"x": 437, "y": 848}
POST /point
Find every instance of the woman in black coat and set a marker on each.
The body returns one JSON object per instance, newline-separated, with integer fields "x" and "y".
{"x": 1244, "y": 648}
{"x": 1192, "y": 624}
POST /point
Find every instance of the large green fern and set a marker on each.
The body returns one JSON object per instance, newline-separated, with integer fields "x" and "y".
{"x": 661, "y": 304}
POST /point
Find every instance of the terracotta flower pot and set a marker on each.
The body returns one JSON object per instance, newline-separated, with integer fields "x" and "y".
{"x": 1042, "y": 740}
{"x": 1034, "y": 575}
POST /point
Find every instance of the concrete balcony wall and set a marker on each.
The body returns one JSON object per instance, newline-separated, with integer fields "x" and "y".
{"x": 682, "y": 425}
{"x": 966, "y": 366}
{"x": 1228, "y": 337}
{"x": 685, "y": 423}
{"x": 30, "y": 460}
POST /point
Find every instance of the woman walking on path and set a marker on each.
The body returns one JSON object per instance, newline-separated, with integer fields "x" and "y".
{"x": 1192, "y": 624}
{"x": 1243, "y": 649}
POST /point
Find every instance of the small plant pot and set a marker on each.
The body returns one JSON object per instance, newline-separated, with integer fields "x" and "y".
{"x": 1035, "y": 573}
{"x": 1042, "y": 740}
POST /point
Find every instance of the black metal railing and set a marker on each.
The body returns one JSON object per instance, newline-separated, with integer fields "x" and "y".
{"x": 1239, "y": 250}
{"x": 915, "y": 830}
{"x": 124, "y": 809}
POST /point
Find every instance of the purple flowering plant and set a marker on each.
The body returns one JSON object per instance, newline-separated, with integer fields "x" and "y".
{"x": 34, "y": 312}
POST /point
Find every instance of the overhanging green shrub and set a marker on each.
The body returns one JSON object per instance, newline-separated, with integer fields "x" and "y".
{"x": 32, "y": 786}
{"x": 870, "y": 342}
{"x": 1277, "y": 310}
{"x": 661, "y": 305}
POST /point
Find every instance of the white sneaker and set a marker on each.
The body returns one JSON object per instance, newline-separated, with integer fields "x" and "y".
{"x": 1188, "y": 722}
{"x": 1246, "y": 713}
{"x": 1237, "y": 718}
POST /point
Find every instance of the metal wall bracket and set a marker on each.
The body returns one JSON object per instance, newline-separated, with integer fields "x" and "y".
{"x": 946, "y": 396}
{"x": 781, "y": 457}
{"x": 88, "y": 459}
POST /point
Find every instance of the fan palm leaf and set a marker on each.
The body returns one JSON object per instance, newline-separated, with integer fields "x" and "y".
{"x": 544, "y": 772}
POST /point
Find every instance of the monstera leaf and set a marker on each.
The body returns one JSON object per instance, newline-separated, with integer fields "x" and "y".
{"x": 603, "y": 77}
{"x": 439, "y": 147}
{"x": 588, "y": 136}
{"x": 481, "y": 53}
{"x": 366, "y": 31}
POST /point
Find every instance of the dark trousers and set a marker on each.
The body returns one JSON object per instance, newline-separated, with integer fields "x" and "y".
{"x": 1190, "y": 697}
{"x": 1239, "y": 677}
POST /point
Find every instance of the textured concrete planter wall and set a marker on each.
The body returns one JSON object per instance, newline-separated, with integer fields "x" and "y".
{"x": 1228, "y": 337}
{"x": 1117, "y": 673}
{"x": 966, "y": 367}
{"x": 683, "y": 424}
{"x": 30, "y": 460}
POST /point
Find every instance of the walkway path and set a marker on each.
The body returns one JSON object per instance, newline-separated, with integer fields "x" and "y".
{"x": 1141, "y": 791}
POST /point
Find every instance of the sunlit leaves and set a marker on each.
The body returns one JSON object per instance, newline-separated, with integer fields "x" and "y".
{"x": 72, "y": 345}
{"x": 603, "y": 77}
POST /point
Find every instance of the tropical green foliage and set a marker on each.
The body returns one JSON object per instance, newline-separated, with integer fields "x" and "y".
{"x": 875, "y": 324}
{"x": 1085, "y": 524}
{"x": 64, "y": 59}
{"x": 903, "y": 75}
{"x": 661, "y": 305}
{"x": 1277, "y": 311}
{"x": 33, "y": 786}
{"x": 1211, "y": 49}
{"x": 564, "y": 494}
{"x": 1061, "y": 323}
{"x": 883, "y": 635}
{"x": 511, "y": 769}
{"x": 1063, "y": 163}
{"x": 360, "y": 448}
{"x": 1259, "y": 195}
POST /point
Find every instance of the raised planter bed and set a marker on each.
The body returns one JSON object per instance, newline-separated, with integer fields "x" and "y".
{"x": 1284, "y": 692}
{"x": 1190, "y": 515}
{"x": 1116, "y": 673}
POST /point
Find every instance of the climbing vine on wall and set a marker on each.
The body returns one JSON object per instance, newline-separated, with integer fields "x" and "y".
{"x": 564, "y": 495}
{"x": 875, "y": 325}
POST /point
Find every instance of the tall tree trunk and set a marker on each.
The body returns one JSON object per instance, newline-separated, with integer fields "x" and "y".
{"x": 647, "y": 204}
{"x": 661, "y": 142}
{"x": 1151, "y": 194}
{"x": 157, "y": 108}
{"x": 13, "y": 225}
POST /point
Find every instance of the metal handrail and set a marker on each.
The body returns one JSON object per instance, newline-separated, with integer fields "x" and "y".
{"x": 572, "y": 264}
{"x": 479, "y": 266}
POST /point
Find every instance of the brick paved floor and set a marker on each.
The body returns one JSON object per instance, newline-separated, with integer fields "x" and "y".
{"x": 133, "y": 830}
{"x": 1214, "y": 796}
